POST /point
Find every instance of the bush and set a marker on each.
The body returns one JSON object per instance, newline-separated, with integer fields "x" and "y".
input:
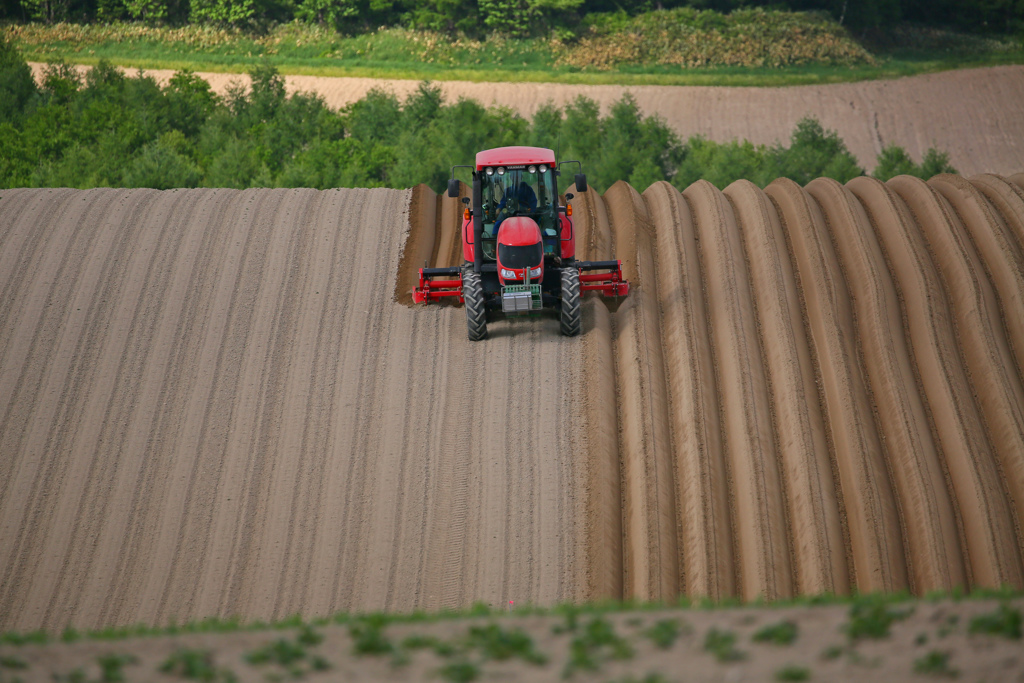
{"x": 894, "y": 161}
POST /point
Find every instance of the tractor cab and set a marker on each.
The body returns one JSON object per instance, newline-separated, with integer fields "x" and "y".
{"x": 518, "y": 245}
{"x": 528, "y": 192}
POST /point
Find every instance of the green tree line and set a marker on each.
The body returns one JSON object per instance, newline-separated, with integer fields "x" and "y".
{"x": 516, "y": 17}
{"x": 110, "y": 130}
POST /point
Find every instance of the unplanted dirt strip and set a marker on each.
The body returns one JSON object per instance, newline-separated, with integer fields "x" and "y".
{"x": 213, "y": 407}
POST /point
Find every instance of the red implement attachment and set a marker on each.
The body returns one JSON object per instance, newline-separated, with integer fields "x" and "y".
{"x": 609, "y": 284}
{"x": 432, "y": 291}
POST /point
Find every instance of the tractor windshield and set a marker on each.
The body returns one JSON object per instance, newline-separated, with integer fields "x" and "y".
{"x": 518, "y": 191}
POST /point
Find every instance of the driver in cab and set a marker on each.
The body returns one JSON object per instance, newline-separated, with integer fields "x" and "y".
{"x": 523, "y": 194}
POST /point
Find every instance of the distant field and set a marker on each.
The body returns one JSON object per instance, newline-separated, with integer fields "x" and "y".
{"x": 800, "y": 52}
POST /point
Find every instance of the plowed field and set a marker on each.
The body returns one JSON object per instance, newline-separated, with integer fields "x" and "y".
{"x": 219, "y": 402}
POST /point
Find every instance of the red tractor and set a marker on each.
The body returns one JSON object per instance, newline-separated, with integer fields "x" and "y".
{"x": 526, "y": 260}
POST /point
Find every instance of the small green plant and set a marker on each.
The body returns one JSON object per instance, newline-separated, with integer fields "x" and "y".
{"x": 11, "y": 662}
{"x": 195, "y": 664}
{"x": 571, "y": 613}
{"x": 664, "y": 633}
{"x": 495, "y": 642}
{"x": 368, "y": 636}
{"x": 281, "y": 651}
{"x": 832, "y": 652}
{"x": 290, "y": 655}
{"x": 722, "y": 644}
{"x": 596, "y": 642}
{"x": 1005, "y": 621}
{"x": 70, "y": 635}
{"x": 459, "y": 672}
{"x": 112, "y": 667}
{"x": 27, "y": 638}
{"x": 308, "y": 636}
{"x": 935, "y": 663}
{"x": 921, "y": 639}
{"x": 871, "y": 616}
{"x": 782, "y": 633}
{"x": 792, "y": 672}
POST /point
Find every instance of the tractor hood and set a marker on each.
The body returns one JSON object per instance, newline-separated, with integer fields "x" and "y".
{"x": 518, "y": 231}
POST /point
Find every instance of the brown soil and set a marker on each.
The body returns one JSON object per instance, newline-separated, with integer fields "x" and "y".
{"x": 212, "y": 406}
{"x": 974, "y": 114}
{"x": 211, "y": 403}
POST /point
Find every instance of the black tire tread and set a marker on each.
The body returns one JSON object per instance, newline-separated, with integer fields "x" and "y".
{"x": 572, "y": 315}
{"x": 476, "y": 310}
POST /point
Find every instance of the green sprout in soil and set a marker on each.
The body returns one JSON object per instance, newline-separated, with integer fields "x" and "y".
{"x": 459, "y": 672}
{"x": 291, "y": 655}
{"x": 195, "y": 665}
{"x": 935, "y": 663}
{"x": 13, "y": 663}
{"x": 871, "y": 617}
{"x": 597, "y": 642}
{"x": 722, "y": 644}
{"x": 665, "y": 632}
{"x": 832, "y": 652}
{"x": 1005, "y": 621}
{"x": 112, "y": 667}
{"x": 495, "y": 642}
{"x": 792, "y": 672}
{"x": 368, "y": 636}
{"x": 782, "y": 633}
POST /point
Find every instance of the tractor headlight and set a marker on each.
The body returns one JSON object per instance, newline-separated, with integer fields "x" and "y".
{"x": 501, "y": 170}
{"x": 532, "y": 169}
{"x": 543, "y": 169}
{"x": 508, "y": 273}
{"x": 535, "y": 272}
{"x": 489, "y": 170}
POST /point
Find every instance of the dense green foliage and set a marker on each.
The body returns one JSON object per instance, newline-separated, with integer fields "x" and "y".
{"x": 117, "y": 131}
{"x": 510, "y": 17}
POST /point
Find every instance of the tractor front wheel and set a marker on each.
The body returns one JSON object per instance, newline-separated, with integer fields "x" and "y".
{"x": 476, "y": 310}
{"x": 571, "y": 313}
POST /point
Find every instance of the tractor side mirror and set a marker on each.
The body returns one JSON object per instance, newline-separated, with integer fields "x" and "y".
{"x": 453, "y": 187}
{"x": 465, "y": 200}
{"x": 581, "y": 182}
{"x": 569, "y": 195}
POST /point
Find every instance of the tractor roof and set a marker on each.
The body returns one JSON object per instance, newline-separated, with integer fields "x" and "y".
{"x": 514, "y": 156}
{"x": 518, "y": 231}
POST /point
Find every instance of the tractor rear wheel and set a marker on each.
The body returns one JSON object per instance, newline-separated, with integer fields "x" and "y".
{"x": 476, "y": 309}
{"x": 571, "y": 313}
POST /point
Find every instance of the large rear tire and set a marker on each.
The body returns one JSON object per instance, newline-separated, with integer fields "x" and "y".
{"x": 476, "y": 309}
{"x": 571, "y": 313}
